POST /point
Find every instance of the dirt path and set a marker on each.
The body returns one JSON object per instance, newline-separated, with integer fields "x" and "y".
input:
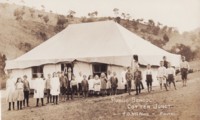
{"x": 180, "y": 104}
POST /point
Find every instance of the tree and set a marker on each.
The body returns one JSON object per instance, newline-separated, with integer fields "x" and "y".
{"x": 18, "y": 13}
{"x": 116, "y": 11}
{"x": 166, "y": 38}
{"x": 156, "y": 30}
{"x": 118, "y": 19}
{"x": 61, "y": 21}
{"x": 46, "y": 19}
{"x": 32, "y": 11}
{"x": 2, "y": 64}
{"x": 71, "y": 14}
{"x": 40, "y": 16}
{"x": 151, "y": 23}
{"x": 123, "y": 15}
{"x": 185, "y": 51}
{"x": 93, "y": 14}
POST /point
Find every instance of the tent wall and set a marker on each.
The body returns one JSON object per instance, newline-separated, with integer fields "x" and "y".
{"x": 50, "y": 68}
{"x": 21, "y": 72}
{"x": 84, "y": 68}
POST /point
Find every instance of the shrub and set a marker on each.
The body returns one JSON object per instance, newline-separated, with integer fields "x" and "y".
{"x": 18, "y": 13}
{"x": 46, "y": 19}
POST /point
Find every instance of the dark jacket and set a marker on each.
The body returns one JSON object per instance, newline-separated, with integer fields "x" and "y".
{"x": 114, "y": 82}
{"x": 85, "y": 85}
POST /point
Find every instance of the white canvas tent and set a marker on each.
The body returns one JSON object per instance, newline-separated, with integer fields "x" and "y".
{"x": 103, "y": 42}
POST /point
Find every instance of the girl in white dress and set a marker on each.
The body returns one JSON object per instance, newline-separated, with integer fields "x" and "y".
{"x": 19, "y": 93}
{"x": 91, "y": 85}
{"x": 39, "y": 86}
{"x": 10, "y": 92}
{"x": 55, "y": 87}
{"x": 97, "y": 84}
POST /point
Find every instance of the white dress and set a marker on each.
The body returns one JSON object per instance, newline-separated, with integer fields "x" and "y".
{"x": 39, "y": 85}
{"x": 55, "y": 86}
{"x": 91, "y": 84}
{"x": 108, "y": 86}
{"x": 20, "y": 91}
{"x": 97, "y": 85}
{"x": 10, "y": 90}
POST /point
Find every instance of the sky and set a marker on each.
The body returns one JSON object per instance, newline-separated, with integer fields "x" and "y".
{"x": 184, "y": 15}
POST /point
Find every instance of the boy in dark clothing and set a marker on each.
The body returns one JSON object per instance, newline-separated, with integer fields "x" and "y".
{"x": 85, "y": 86}
{"x": 129, "y": 78}
{"x": 137, "y": 79}
{"x": 114, "y": 83}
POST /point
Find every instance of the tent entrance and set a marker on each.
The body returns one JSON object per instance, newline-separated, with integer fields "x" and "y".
{"x": 66, "y": 66}
{"x": 98, "y": 68}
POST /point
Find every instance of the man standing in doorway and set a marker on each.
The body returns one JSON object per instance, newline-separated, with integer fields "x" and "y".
{"x": 134, "y": 66}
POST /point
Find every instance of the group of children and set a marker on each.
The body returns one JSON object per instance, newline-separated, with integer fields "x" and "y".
{"x": 17, "y": 92}
{"x": 61, "y": 86}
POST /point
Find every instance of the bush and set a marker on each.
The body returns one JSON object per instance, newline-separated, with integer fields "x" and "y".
{"x": 184, "y": 51}
{"x": 2, "y": 64}
{"x": 166, "y": 38}
{"x": 61, "y": 20}
{"x": 25, "y": 46}
{"x": 18, "y": 13}
{"x": 46, "y": 19}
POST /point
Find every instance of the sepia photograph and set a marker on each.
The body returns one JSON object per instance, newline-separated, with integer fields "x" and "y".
{"x": 99, "y": 59}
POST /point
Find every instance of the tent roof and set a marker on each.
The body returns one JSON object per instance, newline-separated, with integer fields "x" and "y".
{"x": 106, "y": 42}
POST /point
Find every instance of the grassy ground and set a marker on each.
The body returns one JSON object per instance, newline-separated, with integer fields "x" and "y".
{"x": 180, "y": 104}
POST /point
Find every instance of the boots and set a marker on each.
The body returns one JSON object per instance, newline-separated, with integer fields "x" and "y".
{"x": 37, "y": 102}
{"x": 9, "y": 108}
{"x": 17, "y": 105}
{"x": 56, "y": 99}
{"x": 160, "y": 86}
{"x": 27, "y": 102}
{"x": 42, "y": 101}
{"x": 13, "y": 105}
{"x": 20, "y": 105}
{"x": 166, "y": 87}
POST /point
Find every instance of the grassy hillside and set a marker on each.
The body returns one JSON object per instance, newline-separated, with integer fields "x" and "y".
{"x": 24, "y": 28}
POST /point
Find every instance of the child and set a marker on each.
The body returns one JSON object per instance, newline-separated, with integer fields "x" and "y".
{"x": 170, "y": 75}
{"x": 108, "y": 86}
{"x": 63, "y": 86}
{"x": 39, "y": 87}
{"x": 19, "y": 93}
{"x": 26, "y": 91}
{"x": 184, "y": 66}
{"x": 97, "y": 84}
{"x": 79, "y": 80}
{"x": 48, "y": 86}
{"x": 149, "y": 79}
{"x": 74, "y": 86}
{"x": 55, "y": 88}
{"x": 69, "y": 76}
{"x": 84, "y": 86}
{"x": 137, "y": 79}
{"x": 91, "y": 85}
{"x": 161, "y": 75}
{"x": 129, "y": 78}
{"x": 114, "y": 83}
{"x": 10, "y": 90}
{"x": 103, "y": 83}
